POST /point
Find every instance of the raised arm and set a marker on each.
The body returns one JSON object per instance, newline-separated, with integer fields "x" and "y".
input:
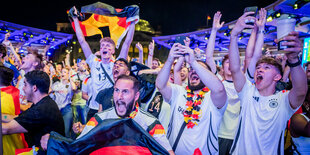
{"x": 218, "y": 93}
{"x": 151, "y": 53}
{"x": 140, "y": 48}
{"x": 79, "y": 34}
{"x": 211, "y": 41}
{"x": 163, "y": 76}
{"x": 177, "y": 71}
{"x": 9, "y": 45}
{"x": 299, "y": 82}
{"x": 260, "y": 23}
{"x": 127, "y": 42}
{"x": 67, "y": 60}
{"x": 250, "y": 48}
{"x": 299, "y": 126}
{"x": 234, "y": 57}
{"x": 73, "y": 85}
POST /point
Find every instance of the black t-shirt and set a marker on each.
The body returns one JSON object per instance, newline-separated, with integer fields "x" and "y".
{"x": 104, "y": 98}
{"x": 40, "y": 119}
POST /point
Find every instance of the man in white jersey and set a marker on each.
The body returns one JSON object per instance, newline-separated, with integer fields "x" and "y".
{"x": 265, "y": 112}
{"x": 196, "y": 111}
{"x": 101, "y": 70}
{"x": 125, "y": 96}
{"x": 230, "y": 119}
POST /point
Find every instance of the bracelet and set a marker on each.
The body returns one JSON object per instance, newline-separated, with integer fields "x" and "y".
{"x": 150, "y": 55}
{"x": 261, "y": 31}
{"x": 294, "y": 64}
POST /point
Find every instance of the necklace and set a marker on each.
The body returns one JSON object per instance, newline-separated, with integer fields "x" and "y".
{"x": 193, "y": 110}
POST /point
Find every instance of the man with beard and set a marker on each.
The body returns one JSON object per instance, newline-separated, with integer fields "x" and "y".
{"x": 155, "y": 105}
{"x": 265, "y": 111}
{"x": 125, "y": 97}
{"x": 197, "y": 110}
{"x": 104, "y": 97}
{"x": 101, "y": 69}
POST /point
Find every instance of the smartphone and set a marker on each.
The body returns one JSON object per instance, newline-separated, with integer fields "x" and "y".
{"x": 180, "y": 39}
{"x": 251, "y": 9}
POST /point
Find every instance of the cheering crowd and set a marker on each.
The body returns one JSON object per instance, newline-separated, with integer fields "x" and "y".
{"x": 187, "y": 104}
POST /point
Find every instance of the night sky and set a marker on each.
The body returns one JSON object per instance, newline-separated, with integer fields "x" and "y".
{"x": 172, "y": 16}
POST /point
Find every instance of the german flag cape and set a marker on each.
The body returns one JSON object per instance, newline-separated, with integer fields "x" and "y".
{"x": 10, "y": 105}
{"x": 103, "y": 15}
{"x": 111, "y": 136}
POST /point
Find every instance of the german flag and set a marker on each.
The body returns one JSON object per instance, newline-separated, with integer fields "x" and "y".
{"x": 111, "y": 136}
{"x": 103, "y": 15}
{"x": 10, "y": 106}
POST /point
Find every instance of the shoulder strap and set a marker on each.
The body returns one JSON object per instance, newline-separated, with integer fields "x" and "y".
{"x": 179, "y": 136}
{"x": 106, "y": 74}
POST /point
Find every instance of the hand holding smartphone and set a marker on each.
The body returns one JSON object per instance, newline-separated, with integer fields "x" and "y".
{"x": 251, "y": 9}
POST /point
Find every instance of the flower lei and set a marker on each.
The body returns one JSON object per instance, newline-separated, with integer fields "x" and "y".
{"x": 193, "y": 110}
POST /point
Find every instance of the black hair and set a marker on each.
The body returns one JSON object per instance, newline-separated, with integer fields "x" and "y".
{"x": 125, "y": 61}
{"x": 6, "y": 76}
{"x": 136, "y": 83}
{"x": 3, "y": 51}
{"x": 40, "y": 79}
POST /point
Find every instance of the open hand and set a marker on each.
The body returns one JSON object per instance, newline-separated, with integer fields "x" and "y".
{"x": 216, "y": 21}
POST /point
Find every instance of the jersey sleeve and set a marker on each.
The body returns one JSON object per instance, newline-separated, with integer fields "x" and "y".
{"x": 91, "y": 60}
{"x": 157, "y": 131}
{"x": 245, "y": 90}
{"x": 175, "y": 91}
{"x": 249, "y": 76}
{"x": 289, "y": 111}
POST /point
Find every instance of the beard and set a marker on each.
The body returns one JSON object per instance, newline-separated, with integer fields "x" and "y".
{"x": 129, "y": 108}
{"x": 197, "y": 87}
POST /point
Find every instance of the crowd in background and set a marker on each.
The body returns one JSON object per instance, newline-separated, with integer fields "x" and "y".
{"x": 202, "y": 107}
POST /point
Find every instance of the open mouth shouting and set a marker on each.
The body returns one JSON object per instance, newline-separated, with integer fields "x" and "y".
{"x": 194, "y": 78}
{"x": 259, "y": 78}
{"x": 115, "y": 72}
{"x": 121, "y": 107}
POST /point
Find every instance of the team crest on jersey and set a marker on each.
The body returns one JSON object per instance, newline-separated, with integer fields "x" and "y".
{"x": 273, "y": 103}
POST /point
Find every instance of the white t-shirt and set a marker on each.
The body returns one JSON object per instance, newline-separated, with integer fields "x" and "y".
{"x": 164, "y": 114}
{"x": 262, "y": 122}
{"x": 230, "y": 119}
{"x": 86, "y": 87}
{"x": 202, "y": 136}
{"x": 62, "y": 95}
{"x": 99, "y": 79}
{"x": 22, "y": 95}
{"x": 144, "y": 119}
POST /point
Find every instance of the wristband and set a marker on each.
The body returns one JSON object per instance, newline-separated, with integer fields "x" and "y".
{"x": 261, "y": 31}
{"x": 294, "y": 64}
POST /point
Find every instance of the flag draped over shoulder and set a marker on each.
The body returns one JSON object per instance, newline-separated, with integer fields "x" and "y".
{"x": 111, "y": 136}
{"x": 10, "y": 106}
{"x": 103, "y": 15}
